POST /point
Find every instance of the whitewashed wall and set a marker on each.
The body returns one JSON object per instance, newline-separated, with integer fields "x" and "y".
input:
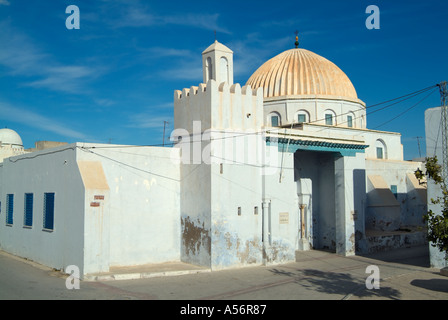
{"x": 135, "y": 219}
{"x": 144, "y": 185}
{"x": 316, "y": 109}
{"x": 55, "y": 171}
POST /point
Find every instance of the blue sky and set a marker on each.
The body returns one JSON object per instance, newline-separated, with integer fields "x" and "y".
{"x": 113, "y": 79}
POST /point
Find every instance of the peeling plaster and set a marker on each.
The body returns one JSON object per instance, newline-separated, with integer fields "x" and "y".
{"x": 195, "y": 236}
{"x": 279, "y": 252}
{"x": 230, "y": 250}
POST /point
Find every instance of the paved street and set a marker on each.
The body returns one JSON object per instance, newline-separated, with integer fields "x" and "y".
{"x": 404, "y": 275}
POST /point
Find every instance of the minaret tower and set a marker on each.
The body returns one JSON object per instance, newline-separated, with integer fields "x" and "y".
{"x": 217, "y": 63}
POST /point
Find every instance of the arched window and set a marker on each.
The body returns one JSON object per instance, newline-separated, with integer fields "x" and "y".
{"x": 209, "y": 68}
{"x": 350, "y": 120}
{"x": 274, "y": 119}
{"x": 224, "y": 67}
{"x": 302, "y": 116}
{"x": 381, "y": 150}
{"x": 330, "y": 117}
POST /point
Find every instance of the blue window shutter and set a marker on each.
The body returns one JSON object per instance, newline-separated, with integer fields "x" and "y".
{"x": 49, "y": 211}
{"x": 28, "y": 221}
{"x": 9, "y": 208}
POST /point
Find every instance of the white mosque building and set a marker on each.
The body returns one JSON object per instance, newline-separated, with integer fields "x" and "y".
{"x": 257, "y": 172}
{"x": 10, "y": 144}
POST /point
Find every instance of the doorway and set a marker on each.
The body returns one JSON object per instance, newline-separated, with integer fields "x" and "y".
{"x": 318, "y": 168}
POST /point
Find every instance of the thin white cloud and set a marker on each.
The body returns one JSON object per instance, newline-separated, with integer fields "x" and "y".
{"x": 148, "y": 120}
{"x": 104, "y": 102}
{"x": 63, "y": 78}
{"x": 187, "y": 71}
{"x": 32, "y": 119}
{"x": 136, "y": 15}
{"x": 4, "y": 2}
{"x": 17, "y": 53}
{"x": 23, "y": 58}
{"x": 167, "y": 52}
{"x": 203, "y": 21}
{"x": 251, "y": 52}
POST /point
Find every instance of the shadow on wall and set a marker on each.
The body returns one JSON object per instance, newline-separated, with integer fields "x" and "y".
{"x": 389, "y": 210}
{"x": 359, "y": 199}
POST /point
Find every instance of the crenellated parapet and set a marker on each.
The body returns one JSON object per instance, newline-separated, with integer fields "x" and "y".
{"x": 219, "y": 107}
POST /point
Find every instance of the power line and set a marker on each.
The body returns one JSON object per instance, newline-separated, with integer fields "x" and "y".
{"x": 412, "y": 93}
{"x": 403, "y": 98}
{"x": 418, "y": 142}
{"x": 405, "y": 111}
{"x": 273, "y": 130}
{"x": 126, "y": 164}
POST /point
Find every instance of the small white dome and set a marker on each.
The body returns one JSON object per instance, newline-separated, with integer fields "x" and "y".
{"x": 8, "y": 136}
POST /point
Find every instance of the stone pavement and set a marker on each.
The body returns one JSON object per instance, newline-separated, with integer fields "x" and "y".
{"x": 404, "y": 274}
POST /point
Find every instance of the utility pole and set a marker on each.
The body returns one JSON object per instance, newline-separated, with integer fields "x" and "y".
{"x": 443, "y": 98}
{"x": 418, "y": 142}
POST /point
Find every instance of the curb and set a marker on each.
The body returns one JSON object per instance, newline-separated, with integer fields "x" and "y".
{"x": 143, "y": 275}
{"x": 444, "y": 271}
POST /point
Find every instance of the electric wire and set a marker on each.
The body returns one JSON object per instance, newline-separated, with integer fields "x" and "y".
{"x": 278, "y": 129}
{"x": 405, "y": 111}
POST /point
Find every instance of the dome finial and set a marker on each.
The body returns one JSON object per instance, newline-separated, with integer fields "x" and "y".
{"x": 297, "y": 39}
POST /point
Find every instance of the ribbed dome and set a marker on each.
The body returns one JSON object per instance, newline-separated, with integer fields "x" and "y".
{"x": 8, "y": 136}
{"x": 299, "y": 72}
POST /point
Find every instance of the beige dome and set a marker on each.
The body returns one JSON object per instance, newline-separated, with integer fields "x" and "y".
{"x": 299, "y": 72}
{"x": 8, "y": 136}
